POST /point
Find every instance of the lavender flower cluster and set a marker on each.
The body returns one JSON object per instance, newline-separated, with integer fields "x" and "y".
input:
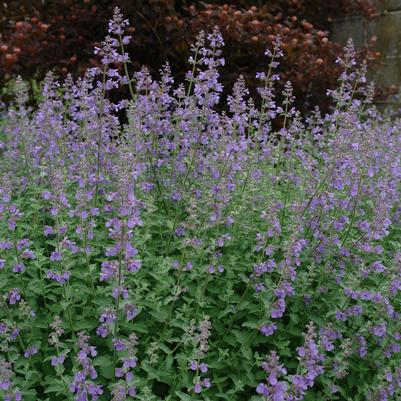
{"x": 166, "y": 247}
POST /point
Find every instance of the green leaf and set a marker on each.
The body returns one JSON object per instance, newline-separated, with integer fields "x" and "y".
{"x": 56, "y": 387}
{"x": 252, "y": 324}
{"x": 169, "y": 361}
{"x": 183, "y": 396}
{"x": 105, "y": 363}
{"x": 160, "y": 314}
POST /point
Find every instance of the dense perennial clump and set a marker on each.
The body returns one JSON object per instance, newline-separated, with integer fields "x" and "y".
{"x": 170, "y": 256}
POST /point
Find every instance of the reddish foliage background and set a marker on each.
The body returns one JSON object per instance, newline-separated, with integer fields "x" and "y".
{"x": 36, "y": 36}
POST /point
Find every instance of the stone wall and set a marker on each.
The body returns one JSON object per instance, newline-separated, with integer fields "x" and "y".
{"x": 386, "y": 26}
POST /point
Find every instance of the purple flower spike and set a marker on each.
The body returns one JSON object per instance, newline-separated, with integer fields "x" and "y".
{"x": 198, "y": 388}
{"x": 203, "y": 367}
{"x": 31, "y": 351}
{"x": 19, "y": 268}
{"x": 55, "y": 256}
{"x": 47, "y": 230}
{"x": 207, "y": 383}
{"x": 13, "y": 296}
{"x": 57, "y": 360}
{"x": 268, "y": 330}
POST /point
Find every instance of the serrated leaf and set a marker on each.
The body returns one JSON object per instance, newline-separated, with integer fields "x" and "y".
{"x": 183, "y": 396}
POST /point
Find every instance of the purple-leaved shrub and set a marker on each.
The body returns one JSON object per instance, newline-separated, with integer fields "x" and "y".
{"x": 158, "y": 249}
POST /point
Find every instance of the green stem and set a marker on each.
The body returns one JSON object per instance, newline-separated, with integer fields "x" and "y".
{"x": 85, "y": 240}
{"x": 7, "y": 309}
{"x": 119, "y": 279}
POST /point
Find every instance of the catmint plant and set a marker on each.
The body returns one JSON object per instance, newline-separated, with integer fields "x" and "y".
{"x": 181, "y": 244}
